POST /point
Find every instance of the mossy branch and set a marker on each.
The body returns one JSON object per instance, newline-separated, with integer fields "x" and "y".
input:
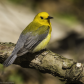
{"x": 47, "y": 62}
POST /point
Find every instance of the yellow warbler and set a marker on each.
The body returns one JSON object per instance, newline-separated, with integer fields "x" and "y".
{"x": 33, "y": 38}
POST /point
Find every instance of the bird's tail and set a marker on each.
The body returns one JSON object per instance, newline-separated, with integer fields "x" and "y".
{"x": 9, "y": 60}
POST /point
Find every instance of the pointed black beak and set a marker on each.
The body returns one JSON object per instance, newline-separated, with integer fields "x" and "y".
{"x": 49, "y": 17}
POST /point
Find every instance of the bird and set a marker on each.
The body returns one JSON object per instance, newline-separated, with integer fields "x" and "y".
{"x": 33, "y": 38}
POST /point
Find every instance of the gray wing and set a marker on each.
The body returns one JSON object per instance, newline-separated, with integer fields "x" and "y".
{"x": 32, "y": 40}
{"x": 20, "y": 43}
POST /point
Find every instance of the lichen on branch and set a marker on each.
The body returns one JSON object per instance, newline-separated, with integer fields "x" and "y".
{"x": 46, "y": 61}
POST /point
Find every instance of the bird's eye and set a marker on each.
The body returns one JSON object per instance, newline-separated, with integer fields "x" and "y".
{"x": 41, "y": 17}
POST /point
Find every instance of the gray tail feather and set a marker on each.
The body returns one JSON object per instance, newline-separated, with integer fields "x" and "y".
{"x": 9, "y": 60}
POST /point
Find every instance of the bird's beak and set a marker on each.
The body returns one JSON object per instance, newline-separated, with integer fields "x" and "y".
{"x": 49, "y": 17}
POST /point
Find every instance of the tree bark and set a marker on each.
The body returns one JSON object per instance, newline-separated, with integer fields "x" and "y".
{"x": 46, "y": 61}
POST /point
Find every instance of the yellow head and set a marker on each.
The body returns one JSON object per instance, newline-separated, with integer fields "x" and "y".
{"x": 43, "y": 18}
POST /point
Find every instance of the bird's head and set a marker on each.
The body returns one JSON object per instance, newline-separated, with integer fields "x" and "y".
{"x": 43, "y": 18}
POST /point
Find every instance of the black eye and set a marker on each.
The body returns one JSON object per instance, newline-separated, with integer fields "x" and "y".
{"x": 41, "y": 17}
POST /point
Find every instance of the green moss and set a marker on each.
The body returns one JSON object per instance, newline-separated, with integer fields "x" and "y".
{"x": 16, "y": 78}
{"x": 7, "y": 44}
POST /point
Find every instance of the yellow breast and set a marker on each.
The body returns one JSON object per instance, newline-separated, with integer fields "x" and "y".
{"x": 43, "y": 44}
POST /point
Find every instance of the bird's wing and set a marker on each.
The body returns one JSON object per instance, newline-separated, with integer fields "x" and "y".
{"x": 32, "y": 39}
{"x": 20, "y": 43}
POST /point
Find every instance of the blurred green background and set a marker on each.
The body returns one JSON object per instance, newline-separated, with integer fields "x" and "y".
{"x": 67, "y": 33}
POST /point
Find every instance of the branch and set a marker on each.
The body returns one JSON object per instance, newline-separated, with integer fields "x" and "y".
{"x": 46, "y": 62}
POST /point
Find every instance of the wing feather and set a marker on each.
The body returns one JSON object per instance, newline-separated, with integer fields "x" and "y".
{"x": 34, "y": 39}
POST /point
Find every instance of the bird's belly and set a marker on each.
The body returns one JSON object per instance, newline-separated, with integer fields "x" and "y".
{"x": 43, "y": 44}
